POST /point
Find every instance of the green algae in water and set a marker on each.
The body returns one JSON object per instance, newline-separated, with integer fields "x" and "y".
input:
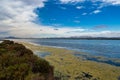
{"x": 42, "y": 53}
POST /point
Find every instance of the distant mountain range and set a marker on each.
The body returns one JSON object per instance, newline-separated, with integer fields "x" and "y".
{"x": 73, "y": 37}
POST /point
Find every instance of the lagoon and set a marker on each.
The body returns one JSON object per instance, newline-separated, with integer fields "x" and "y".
{"x": 106, "y": 48}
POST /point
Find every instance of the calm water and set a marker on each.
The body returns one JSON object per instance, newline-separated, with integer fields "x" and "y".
{"x": 107, "y": 48}
{"x": 42, "y": 54}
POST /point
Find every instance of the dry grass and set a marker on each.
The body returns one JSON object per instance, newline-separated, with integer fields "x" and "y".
{"x": 68, "y": 64}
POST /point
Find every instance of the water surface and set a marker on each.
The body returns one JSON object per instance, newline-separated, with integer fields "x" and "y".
{"x": 106, "y": 48}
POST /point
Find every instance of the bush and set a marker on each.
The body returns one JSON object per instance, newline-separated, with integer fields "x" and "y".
{"x": 17, "y": 62}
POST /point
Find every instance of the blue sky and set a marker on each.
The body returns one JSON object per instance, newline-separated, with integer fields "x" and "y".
{"x": 60, "y": 18}
{"x": 78, "y": 14}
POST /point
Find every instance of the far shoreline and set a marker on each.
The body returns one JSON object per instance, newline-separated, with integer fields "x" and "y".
{"x": 36, "y": 47}
{"x": 72, "y": 38}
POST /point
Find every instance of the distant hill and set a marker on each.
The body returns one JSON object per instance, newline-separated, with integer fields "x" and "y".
{"x": 11, "y": 37}
{"x": 72, "y": 37}
{"x": 83, "y": 38}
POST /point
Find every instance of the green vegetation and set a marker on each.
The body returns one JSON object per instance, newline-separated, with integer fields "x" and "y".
{"x": 69, "y": 67}
{"x": 18, "y": 63}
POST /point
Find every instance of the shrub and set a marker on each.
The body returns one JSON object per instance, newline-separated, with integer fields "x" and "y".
{"x": 17, "y": 62}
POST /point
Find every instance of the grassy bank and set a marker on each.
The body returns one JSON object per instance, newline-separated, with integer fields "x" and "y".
{"x": 69, "y": 67}
{"x": 19, "y": 63}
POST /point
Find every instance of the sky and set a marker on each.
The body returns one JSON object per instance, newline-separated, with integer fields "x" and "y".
{"x": 59, "y": 18}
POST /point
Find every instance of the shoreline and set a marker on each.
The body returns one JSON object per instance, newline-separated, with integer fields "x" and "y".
{"x": 78, "y": 54}
{"x": 66, "y": 63}
{"x": 108, "y": 50}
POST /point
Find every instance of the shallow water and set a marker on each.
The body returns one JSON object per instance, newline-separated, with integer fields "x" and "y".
{"x": 41, "y": 54}
{"x": 106, "y": 48}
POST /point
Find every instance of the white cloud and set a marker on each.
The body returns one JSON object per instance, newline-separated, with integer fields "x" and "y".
{"x": 16, "y": 20}
{"x": 79, "y": 7}
{"x": 95, "y": 34}
{"x": 104, "y": 2}
{"x": 96, "y": 11}
{"x": 16, "y": 17}
{"x": 113, "y": 2}
{"x": 71, "y": 1}
{"x": 84, "y": 13}
{"x": 107, "y": 34}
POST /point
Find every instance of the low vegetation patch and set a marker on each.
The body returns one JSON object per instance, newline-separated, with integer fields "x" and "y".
{"x": 69, "y": 67}
{"x": 18, "y": 63}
